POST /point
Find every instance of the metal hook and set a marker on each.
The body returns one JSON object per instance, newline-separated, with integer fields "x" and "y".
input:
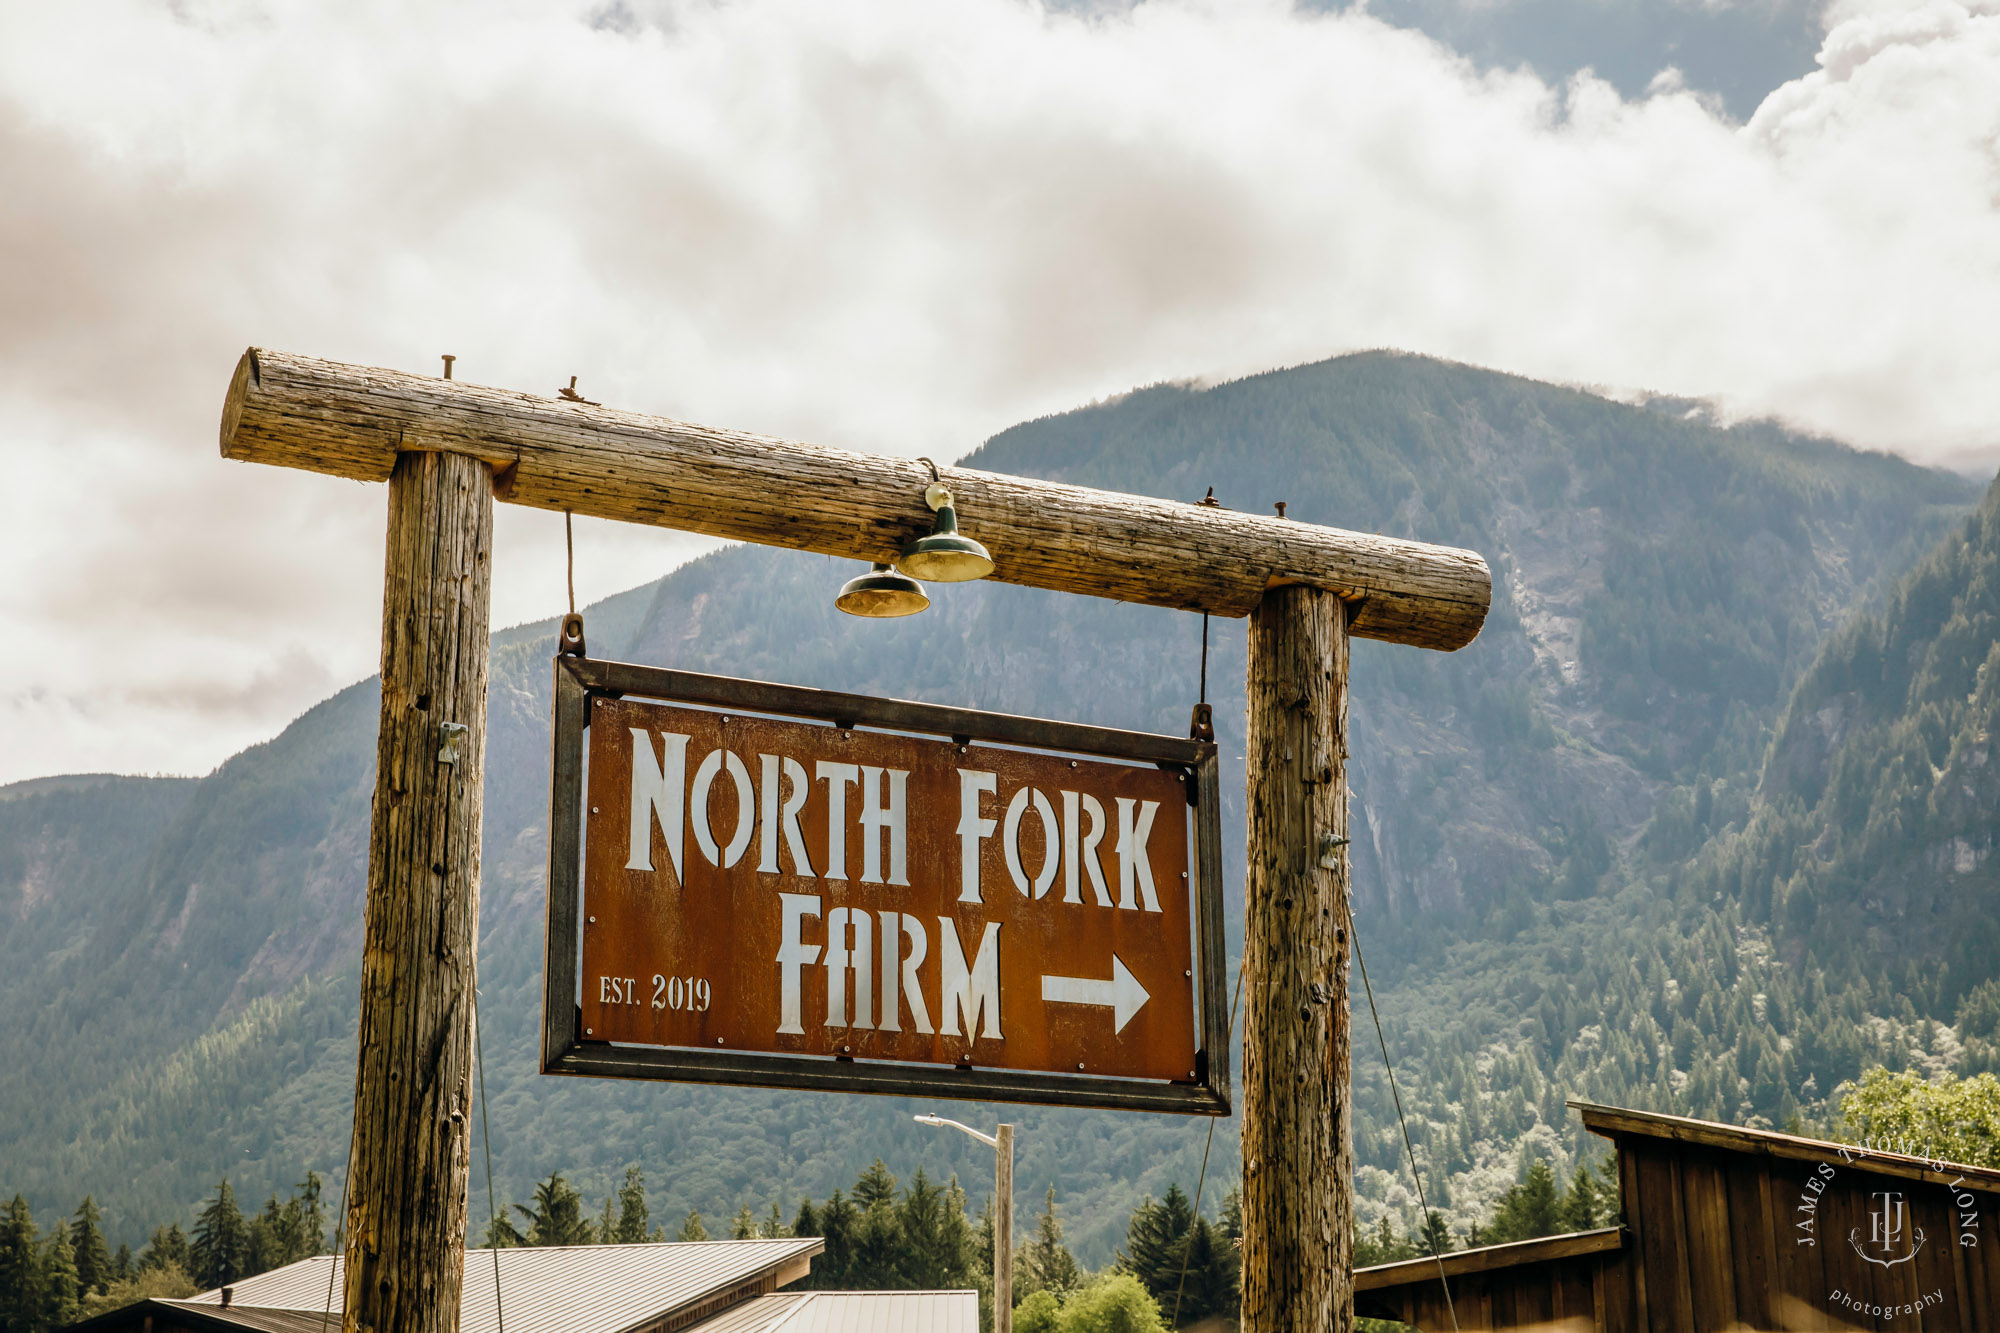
{"x": 933, "y": 467}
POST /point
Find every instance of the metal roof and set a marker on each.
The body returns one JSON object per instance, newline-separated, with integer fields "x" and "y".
{"x": 568, "y": 1289}
{"x": 851, "y": 1312}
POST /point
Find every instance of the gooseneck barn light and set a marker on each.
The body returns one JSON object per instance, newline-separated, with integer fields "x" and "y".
{"x": 881, "y": 593}
{"x": 946, "y": 555}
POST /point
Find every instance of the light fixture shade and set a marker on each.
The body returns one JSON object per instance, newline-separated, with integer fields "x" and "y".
{"x": 881, "y": 594}
{"x": 946, "y": 555}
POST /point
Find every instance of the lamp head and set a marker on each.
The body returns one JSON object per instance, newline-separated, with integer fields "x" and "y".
{"x": 881, "y": 594}
{"x": 946, "y": 555}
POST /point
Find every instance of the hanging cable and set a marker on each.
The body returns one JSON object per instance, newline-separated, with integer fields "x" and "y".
{"x": 486, "y": 1143}
{"x": 1430, "y": 1239}
{"x": 569, "y": 550}
{"x": 1188, "y": 1250}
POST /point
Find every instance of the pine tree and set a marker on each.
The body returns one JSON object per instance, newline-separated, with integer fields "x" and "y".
{"x": 1051, "y": 1267}
{"x": 632, "y": 1215}
{"x": 773, "y": 1226}
{"x": 1528, "y": 1209}
{"x": 168, "y": 1248}
{"x": 1156, "y": 1241}
{"x": 1582, "y": 1203}
{"x": 877, "y": 1257}
{"x": 20, "y": 1270}
{"x": 605, "y": 1232}
{"x": 876, "y": 1186}
{"x": 94, "y": 1270}
{"x": 806, "y": 1222}
{"x": 691, "y": 1228}
{"x": 59, "y": 1286}
{"x": 557, "y": 1217}
{"x": 937, "y": 1241}
{"x": 121, "y": 1264}
{"x": 833, "y": 1269}
{"x": 745, "y": 1225}
{"x": 218, "y": 1250}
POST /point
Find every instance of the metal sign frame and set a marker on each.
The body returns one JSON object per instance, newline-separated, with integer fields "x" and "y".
{"x": 565, "y": 1050}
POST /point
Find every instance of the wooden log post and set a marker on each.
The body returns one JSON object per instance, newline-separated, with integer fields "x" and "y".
{"x": 1298, "y": 1155}
{"x": 405, "y": 1222}
{"x": 1003, "y": 1230}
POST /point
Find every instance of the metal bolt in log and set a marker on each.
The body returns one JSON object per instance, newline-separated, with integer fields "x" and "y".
{"x": 405, "y": 1221}
{"x": 1298, "y": 1155}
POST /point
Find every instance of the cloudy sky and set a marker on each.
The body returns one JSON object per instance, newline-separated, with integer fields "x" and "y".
{"x": 897, "y": 225}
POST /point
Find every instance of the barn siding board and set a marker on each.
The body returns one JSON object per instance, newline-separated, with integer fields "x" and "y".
{"x": 1711, "y": 1244}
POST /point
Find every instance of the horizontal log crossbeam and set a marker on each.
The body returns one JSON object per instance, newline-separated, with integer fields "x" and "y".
{"x": 353, "y": 421}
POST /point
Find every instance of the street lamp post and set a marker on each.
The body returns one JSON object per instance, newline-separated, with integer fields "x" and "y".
{"x": 1002, "y": 1143}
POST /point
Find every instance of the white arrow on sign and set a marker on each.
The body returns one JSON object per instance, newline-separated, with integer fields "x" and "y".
{"x": 1123, "y": 994}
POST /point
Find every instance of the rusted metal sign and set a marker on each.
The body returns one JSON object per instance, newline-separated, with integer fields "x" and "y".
{"x": 753, "y": 883}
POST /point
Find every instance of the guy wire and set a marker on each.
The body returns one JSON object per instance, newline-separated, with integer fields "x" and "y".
{"x": 1424, "y": 1225}
{"x": 1201, "y": 1179}
{"x": 486, "y": 1143}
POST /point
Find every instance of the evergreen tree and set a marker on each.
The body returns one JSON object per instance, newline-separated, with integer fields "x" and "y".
{"x": 773, "y": 1226}
{"x": 632, "y": 1215}
{"x": 1587, "y": 1204}
{"x": 121, "y": 1264}
{"x": 1156, "y": 1241}
{"x": 219, "y": 1249}
{"x": 1209, "y": 1288}
{"x": 1049, "y": 1264}
{"x": 502, "y": 1234}
{"x": 605, "y": 1232}
{"x": 59, "y": 1286}
{"x": 1434, "y": 1237}
{"x": 877, "y": 1256}
{"x": 557, "y": 1217}
{"x": 168, "y": 1248}
{"x": 937, "y": 1240}
{"x": 876, "y": 1186}
{"x": 1527, "y": 1209}
{"x": 837, "y": 1220}
{"x": 806, "y": 1222}
{"x": 20, "y": 1270}
{"x": 745, "y": 1225}
{"x": 691, "y": 1228}
{"x": 94, "y": 1270}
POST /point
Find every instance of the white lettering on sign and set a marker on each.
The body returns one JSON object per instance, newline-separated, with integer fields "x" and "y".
{"x": 884, "y": 816}
{"x": 911, "y": 989}
{"x": 784, "y": 814}
{"x": 969, "y": 992}
{"x": 836, "y": 777}
{"x": 971, "y": 828}
{"x": 746, "y": 808}
{"x": 657, "y": 789}
{"x": 1134, "y": 867}
{"x": 1081, "y": 852}
{"x": 1010, "y": 843}
{"x": 793, "y": 956}
{"x": 842, "y": 957}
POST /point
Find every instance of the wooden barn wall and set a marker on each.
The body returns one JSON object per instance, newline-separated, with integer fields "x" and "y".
{"x": 1713, "y": 1246}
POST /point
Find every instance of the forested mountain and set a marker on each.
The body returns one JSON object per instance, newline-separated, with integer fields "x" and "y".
{"x": 1562, "y": 833}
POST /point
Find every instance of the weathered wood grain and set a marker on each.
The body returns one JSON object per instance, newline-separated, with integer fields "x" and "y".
{"x": 405, "y": 1221}
{"x": 1298, "y": 1150}
{"x": 354, "y": 421}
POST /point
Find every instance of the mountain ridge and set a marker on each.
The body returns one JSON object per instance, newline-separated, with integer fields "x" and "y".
{"x": 1502, "y": 795}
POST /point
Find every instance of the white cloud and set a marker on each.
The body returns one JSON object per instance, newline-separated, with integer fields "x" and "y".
{"x": 882, "y": 224}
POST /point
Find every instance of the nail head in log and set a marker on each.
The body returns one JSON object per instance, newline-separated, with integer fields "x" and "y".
{"x": 353, "y": 421}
